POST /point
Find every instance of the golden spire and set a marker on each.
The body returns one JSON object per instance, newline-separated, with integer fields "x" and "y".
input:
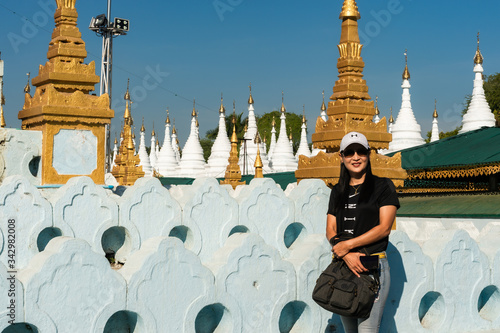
{"x": 274, "y": 122}
{"x": 250, "y": 99}
{"x": 377, "y": 111}
{"x": 157, "y": 143}
{"x": 435, "y": 114}
{"x": 2, "y": 98}
{"x": 258, "y": 160}
{"x": 233, "y": 172}
{"x": 323, "y": 106}
{"x": 234, "y": 137}
{"x": 167, "y": 121}
{"x": 391, "y": 119}
{"x": 153, "y": 131}
{"x": 27, "y": 87}
{"x": 303, "y": 114}
{"x": 193, "y": 114}
{"x": 127, "y": 116}
{"x": 349, "y": 9}
{"x": 116, "y": 141}
{"x": 291, "y": 137}
{"x": 143, "y": 129}
{"x": 478, "y": 58}
{"x": 127, "y": 93}
{"x": 133, "y": 133}
{"x": 406, "y": 73}
{"x": 282, "y": 102}
{"x": 222, "y": 109}
{"x": 2, "y": 119}
{"x": 174, "y": 131}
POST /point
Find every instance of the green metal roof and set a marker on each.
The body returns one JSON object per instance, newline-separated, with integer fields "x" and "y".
{"x": 280, "y": 178}
{"x": 467, "y": 205}
{"x": 481, "y": 146}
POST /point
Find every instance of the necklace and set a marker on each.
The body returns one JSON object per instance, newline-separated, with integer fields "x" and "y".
{"x": 356, "y": 188}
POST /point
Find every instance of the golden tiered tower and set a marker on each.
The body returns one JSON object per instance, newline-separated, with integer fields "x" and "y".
{"x": 350, "y": 109}
{"x": 233, "y": 172}
{"x": 127, "y": 169}
{"x": 72, "y": 121}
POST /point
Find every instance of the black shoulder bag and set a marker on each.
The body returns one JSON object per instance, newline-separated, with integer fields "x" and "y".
{"x": 339, "y": 291}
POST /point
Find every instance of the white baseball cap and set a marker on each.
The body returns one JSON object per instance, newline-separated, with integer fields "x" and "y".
{"x": 353, "y": 137}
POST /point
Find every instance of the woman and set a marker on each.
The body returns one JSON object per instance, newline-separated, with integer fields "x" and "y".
{"x": 364, "y": 206}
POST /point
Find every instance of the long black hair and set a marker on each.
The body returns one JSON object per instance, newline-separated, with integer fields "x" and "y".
{"x": 365, "y": 190}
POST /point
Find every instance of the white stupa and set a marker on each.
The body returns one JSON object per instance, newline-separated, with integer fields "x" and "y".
{"x": 283, "y": 159}
{"x": 143, "y": 154}
{"x": 435, "y": 128}
{"x": 376, "y": 117}
{"x": 152, "y": 151}
{"x": 406, "y": 131}
{"x": 192, "y": 162}
{"x": 272, "y": 144}
{"x": 175, "y": 144}
{"x": 304, "y": 145}
{"x": 115, "y": 152}
{"x": 248, "y": 154}
{"x": 479, "y": 113}
{"x": 219, "y": 157}
{"x": 157, "y": 151}
{"x": 167, "y": 163}
{"x": 324, "y": 116}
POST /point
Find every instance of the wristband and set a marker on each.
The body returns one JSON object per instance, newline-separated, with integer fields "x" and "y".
{"x": 332, "y": 241}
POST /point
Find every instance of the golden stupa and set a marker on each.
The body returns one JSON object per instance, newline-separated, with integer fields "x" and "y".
{"x": 350, "y": 109}
{"x": 233, "y": 171}
{"x": 72, "y": 121}
{"x": 126, "y": 169}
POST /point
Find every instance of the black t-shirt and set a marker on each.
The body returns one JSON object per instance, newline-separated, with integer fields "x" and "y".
{"x": 358, "y": 218}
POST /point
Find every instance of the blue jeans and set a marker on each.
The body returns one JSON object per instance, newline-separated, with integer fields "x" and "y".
{"x": 372, "y": 323}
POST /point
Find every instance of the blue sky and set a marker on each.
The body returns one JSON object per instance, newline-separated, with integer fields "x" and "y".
{"x": 198, "y": 49}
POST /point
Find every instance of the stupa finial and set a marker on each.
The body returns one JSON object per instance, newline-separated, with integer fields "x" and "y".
{"x": 435, "y": 114}
{"x": 127, "y": 93}
{"x": 27, "y": 87}
{"x": 222, "y": 109}
{"x": 406, "y": 73}
{"x": 377, "y": 111}
{"x": 250, "y": 98}
{"x": 283, "y": 110}
{"x": 478, "y": 57}
{"x": 349, "y": 9}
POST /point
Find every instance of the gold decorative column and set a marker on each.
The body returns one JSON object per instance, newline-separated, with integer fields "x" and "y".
{"x": 72, "y": 121}
{"x": 349, "y": 109}
{"x": 258, "y": 160}
{"x": 233, "y": 172}
{"x": 126, "y": 169}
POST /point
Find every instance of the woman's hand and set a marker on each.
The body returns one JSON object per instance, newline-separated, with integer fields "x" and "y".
{"x": 341, "y": 249}
{"x": 354, "y": 264}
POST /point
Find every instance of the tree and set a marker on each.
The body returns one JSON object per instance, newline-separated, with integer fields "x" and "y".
{"x": 206, "y": 145}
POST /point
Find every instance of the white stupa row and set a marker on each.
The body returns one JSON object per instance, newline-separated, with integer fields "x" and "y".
{"x": 406, "y": 131}
{"x": 168, "y": 162}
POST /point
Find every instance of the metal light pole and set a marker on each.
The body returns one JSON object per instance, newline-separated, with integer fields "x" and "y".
{"x": 102, "y": 26}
